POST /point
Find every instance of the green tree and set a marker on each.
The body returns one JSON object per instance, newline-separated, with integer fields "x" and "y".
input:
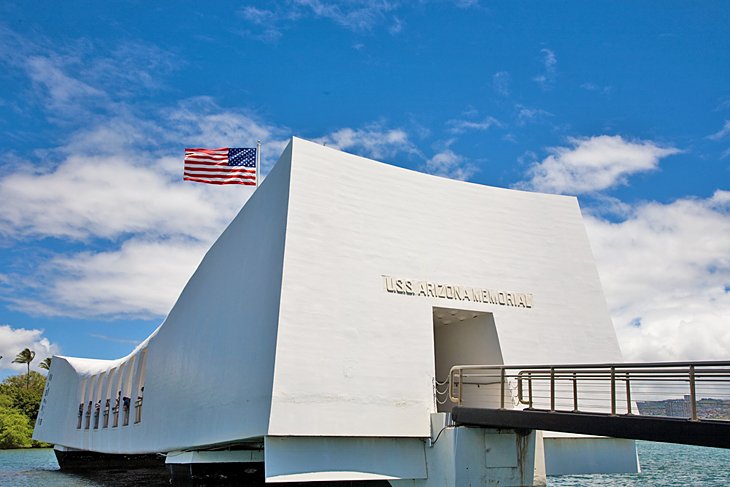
{"x": 20, "y": 397}
{"x": 45, "y": 364}
{"x": 15, "y": 429}
{"x": 25, "y": 393}
{"x": 25, "y": 357}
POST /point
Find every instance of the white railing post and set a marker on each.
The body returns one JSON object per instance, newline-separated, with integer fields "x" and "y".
{"x": 552, "y": 389}
{"x": 503, "y": 378}
{"x": 692, "y": 394}
{"x": 613, "y": 391}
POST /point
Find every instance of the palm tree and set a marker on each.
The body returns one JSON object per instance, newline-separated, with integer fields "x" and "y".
{"x": 46, "y": 364}
{"x": 25, "y": 357}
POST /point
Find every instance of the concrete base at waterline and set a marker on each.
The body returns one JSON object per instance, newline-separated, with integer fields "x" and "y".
{"x": 478, "y": 457}
{"x": 72, "y": 460}
{"x": 225, "y": 467}
{"x": 578, "y": 454}
{"x": 233, "y": 467}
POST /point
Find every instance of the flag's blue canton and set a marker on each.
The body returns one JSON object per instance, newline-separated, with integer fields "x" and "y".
{"x": 242, "y": 157}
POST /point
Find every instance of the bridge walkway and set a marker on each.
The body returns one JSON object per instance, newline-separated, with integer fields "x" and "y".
{"x": 684, "y": 403}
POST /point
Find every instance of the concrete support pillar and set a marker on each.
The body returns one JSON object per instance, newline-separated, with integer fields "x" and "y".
{"x": 478, "y": 457}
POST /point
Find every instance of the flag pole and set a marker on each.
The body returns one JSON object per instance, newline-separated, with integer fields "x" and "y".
{"x": 258, "y": 161}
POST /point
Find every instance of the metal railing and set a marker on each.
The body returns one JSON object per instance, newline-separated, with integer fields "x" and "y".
{"x": 694, "y": 390}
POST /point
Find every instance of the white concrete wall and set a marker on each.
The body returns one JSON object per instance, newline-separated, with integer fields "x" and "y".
{"x": 209, "y": 367}
{"x": 286, "y": 328}
{"x": 349, "y": 352}
{"x": 309, "y": 459}
{"x": 568, "y": 455}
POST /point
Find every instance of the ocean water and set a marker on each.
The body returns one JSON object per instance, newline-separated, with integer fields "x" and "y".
{"x": 662, "y": 465}
{"x": 38, "y": 468}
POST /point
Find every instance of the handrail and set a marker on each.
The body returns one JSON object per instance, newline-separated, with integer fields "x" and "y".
{"x": 696, "y": 390}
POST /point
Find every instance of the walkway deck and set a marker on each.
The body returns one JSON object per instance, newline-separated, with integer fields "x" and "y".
{"x": 651, "y": 428}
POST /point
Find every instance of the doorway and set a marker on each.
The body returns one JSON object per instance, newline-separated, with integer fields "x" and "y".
{"x": 464, "y": 337}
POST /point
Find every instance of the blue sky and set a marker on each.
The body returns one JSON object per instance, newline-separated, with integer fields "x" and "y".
{"x": 623, "y": 104}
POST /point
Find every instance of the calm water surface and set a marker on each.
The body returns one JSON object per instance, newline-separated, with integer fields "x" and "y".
{"x": 38, "y": 468}
{"x": 663, "y": 465}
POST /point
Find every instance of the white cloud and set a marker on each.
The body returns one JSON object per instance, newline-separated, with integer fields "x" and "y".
{"x": 594, "y": 163}
{"x": 501, "y": 83}
{"x": 130, "y": 67}
{"x": 373, "y": 140}
{"x": 724, "y": 104}
{"x": 141, "y": 279}
{"x": 63, "y": 92}
{"x": 113, "y": 179}
{"x": 108, "y": 338}
{"x": 258, "y": 15}
{"x": 14, "y": 340}
{"x": 527, "y": 115}
{"x": 112, "y": 196}
{"x": 201, "y": 122}
{"x": 722, "y": 133}
{"x": 666, "y": 274}
{"x": 461, "y": 126}
{"x": 549, "y": 61}
{"x": 450, "y": 165}
{"x": 116, "y": 186}
{"x": 396, "y": 25}
{"x": 267, "y": 21}
{"x": 74, "y": 83}
{"x": 605, "y": 90}
{"x": 356, "y": 15}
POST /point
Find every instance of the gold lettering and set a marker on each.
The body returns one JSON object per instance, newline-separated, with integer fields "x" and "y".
{"x": 409, "y": 287}
{"x": 460, "y": 293}
{"x": 466, "y": 293}
{"x": 450, "y": 292}
{"x": 399, "y": 286}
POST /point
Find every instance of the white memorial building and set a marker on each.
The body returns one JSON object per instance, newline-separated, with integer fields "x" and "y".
{"x": 312, "y": 334}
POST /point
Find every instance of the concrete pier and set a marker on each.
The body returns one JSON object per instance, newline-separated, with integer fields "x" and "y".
{"x": 461, "y": 456}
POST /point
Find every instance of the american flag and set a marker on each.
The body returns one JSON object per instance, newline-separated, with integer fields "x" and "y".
{"x": 232, "y": 165}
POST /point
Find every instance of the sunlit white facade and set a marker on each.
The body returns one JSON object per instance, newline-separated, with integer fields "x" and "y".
{"x": 314, "y": 328}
